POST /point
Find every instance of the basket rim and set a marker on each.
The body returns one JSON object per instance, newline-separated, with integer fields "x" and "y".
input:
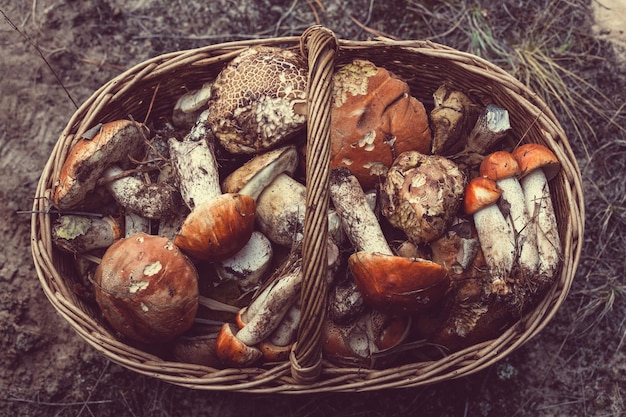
{"x": 277, "y": 379}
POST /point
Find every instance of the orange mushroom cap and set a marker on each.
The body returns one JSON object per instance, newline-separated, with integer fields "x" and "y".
{"x": 499, "y": 165}
{"x": 479, "y": 193}
{"x": 532, "y": 156}
{"x": 219, "y": 228}
{"x": 232, "y": 351}
{"x": 398, "y": 285}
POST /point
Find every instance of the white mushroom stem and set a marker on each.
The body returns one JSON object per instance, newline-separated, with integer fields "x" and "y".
{"x": 519, "y": 218}
{"x": 541, "y": 210}
{"x": 194, "y": 162}
{"x": 153, "y": 201}
{"x": 134, "y": 223}
{"x": 490, "y": 127}
{"x": 357, "y": 217}
{"x": 76, "y": 234}
{"x": 249, "y": 265}
{"x": 285, "y": 333}
{"x": 497, "y": 242}
{"x": 272, "y": 308}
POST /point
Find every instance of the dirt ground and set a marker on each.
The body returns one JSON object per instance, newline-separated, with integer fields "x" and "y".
{"x": 575, "y": 367}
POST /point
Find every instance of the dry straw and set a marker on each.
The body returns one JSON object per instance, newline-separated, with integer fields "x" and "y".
{"x": 152, "y": 87}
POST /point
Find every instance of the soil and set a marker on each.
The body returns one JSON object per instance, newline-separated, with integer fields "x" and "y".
{"x": 575, "y": 367}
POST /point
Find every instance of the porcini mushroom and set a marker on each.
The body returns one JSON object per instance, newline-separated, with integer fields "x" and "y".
{"x": 365, "y": 340}
{"x": 389, "y": 283}
{"x": 259, "y": 99}
{"x": 495, "y": 235}
{"x": 501, "y": 167}
{"x": 147, "y": 289}
{"x": 75, "y": 234}
{"x": 373, "y": 120}
{"x": 421, "y": 195}
{"x": 152, "y": 201}
{"x": 113, "y": 143}
{"x": 248, "y": 266}
{"x": 538, "y": 165}
{"x": 219, "y": 225}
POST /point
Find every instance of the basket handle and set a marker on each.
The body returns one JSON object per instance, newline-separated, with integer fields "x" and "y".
{"x": 319, "y": 45}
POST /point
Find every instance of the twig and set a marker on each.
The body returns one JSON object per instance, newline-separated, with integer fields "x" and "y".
{"x": 42, "y": 57}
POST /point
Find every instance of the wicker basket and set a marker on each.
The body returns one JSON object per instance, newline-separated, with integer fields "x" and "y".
{"x": 153, "y": 86}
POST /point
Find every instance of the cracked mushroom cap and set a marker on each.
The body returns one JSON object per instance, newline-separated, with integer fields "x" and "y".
{"x": 114, "y": 142}
{"x": 373, "y": 120}
{"x": 259, "y": 100}
{"x": 147, "y": 289}
{"x": 421, "y": 195}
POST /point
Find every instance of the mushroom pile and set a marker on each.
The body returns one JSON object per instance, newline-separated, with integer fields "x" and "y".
{"x": 186, "y": 232}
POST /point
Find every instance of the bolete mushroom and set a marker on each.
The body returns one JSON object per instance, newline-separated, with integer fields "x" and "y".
{"x": 259, "y": 99}
{"x": 113, "y": 143}
{"x": 373, "y": 120}
{"x": 421, "y": 195}
{"x": 147, "y": 289}
{"x": 75, "y": 234}
{"x": 495, "y": 235}
{"x": 219, "y": 225}
{"x": 389, "y": 283}
{"x": 538, "y": 166}
{"x": 501, "y": 167}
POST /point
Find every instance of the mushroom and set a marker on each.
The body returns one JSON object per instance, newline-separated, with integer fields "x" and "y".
{"x": 219, "y": 225}
{"x": 189, "y": 106}
{"x": 495, "y": 235}
{"x": 388, "y": 283}
{"x": 259, "y": 100}
{"x": 259, "y": 319}
{"x": 539, "y": 165}
{"x": 76, "y": 234}
{"x": 373, "y": 120}
{"x": 421, "y": 195}
{"x": 501, "y": 167}
{"x": 277, "y": 346}
{"x": 248, "y": 266}
{"x": 113, "y": 143}
{"x": 152, "y": 201}
{"x": 452, "y": 117}
{"x": 147, "y": 289}
{"x": 364, "y": 341}
{"x": 280, "y": 199}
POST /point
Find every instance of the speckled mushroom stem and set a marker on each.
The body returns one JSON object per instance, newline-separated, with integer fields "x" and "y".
{"x": 194, "y": 161}
{"x": 539, "y": 203}
{"x": 357, "y": 217}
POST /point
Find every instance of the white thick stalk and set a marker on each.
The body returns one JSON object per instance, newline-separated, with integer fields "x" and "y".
{"x": 285, "y": 333}
{"x": 194, "y": 162}
{"x": 357, "y": 217}
{"x": 134, "y": 224}
{"x": 541, "y": 210}
{"x": 525, "y": 234}
{"x": 279, "y": 299}
{"x": 498, "y": 244}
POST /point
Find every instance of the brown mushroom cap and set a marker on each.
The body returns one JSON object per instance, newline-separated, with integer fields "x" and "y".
{"x": 396, "y": 284}
{"x": 373, "y": 120}
{"x": 421, "y": 195}
{"x": 532, "y": 156}
{"x": 259, "y": 100}
{"x": 219, "y": 228}
{"x": 147, "y": 289}
{"x": 115, "y": 142}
